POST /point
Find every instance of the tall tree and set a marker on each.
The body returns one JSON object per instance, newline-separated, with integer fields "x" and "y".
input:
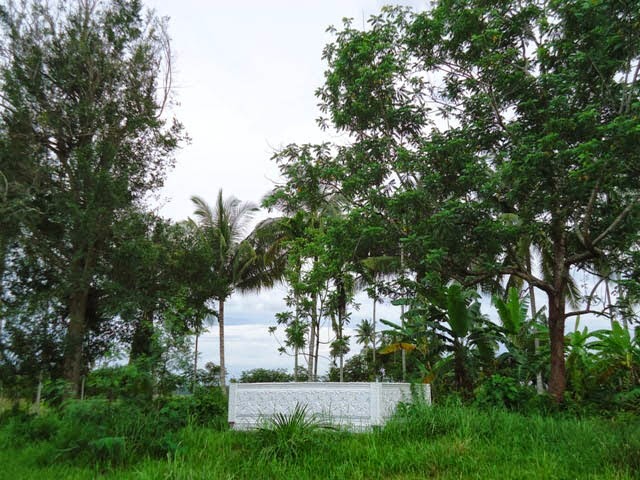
{"x": 475, "y": 124}
{"x": 83, "y": 88}
{"x": 303, "y": 232}
{"x": 240, "y": 262}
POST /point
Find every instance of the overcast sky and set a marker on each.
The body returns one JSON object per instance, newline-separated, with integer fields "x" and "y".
{"x": 245, "y": 73}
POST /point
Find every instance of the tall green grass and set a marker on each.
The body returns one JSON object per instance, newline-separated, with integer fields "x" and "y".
{"x": 443, "y": 442}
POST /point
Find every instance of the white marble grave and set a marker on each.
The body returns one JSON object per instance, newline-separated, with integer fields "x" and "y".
{"x": 353, "y": 405}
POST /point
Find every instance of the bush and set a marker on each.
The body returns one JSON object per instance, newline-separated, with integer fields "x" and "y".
{"x": 22, "y": 428}
{"x": 265, "y": 375}
{"x": 54, "y": 392}
{"x": 108, "y": 450}
{"x": 287, "y": 437}
{"x": 106, "y": 432}
{"x": 207, "y": 406}
{"x": 503, "y": 392}
{"x": 112, "y": 433}
{"x": 128, "y": 382}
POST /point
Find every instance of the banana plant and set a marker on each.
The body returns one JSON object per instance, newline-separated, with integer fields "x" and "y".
{"x": 470, "y": 335}
{"x": 455, "y": 323}
{"x": 618, "y": 356}
{"x": 579, "y": 362}
{"x": 519, "y": 335}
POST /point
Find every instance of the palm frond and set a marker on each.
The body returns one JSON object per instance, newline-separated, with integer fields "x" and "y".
{"x": 203, "y": 212}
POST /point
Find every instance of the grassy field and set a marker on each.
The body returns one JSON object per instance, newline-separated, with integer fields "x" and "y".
{"x": 439, "y": 442}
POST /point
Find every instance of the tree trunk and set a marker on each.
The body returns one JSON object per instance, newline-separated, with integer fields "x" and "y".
{"x": 607, "y": 292}
{"x": 312, "y": 338}
{"x": 3, "y": 253}
{"x": 462, "y": 378}
{"x": 223, "y": 375}
{"x": 195, "y": 366}
{"x": 342, "y": 315}
{"x": 557, "y": 378}
{"x": 556, "y": 295}
{"x": 39, "y": 393}
{"x": 375, "y": 299}
{"x": 317, "y": 351}
{"x": 297, "y": 323}
{"x": 75, "y": 339}
{"x": 403, "y": 353}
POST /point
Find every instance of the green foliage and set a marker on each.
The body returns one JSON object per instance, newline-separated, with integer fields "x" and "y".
{"x": 131, "y": 382}
{"x": 241, "y": 262}
{"x": 206, "y": 406}
{"x": 618, "y": 356}
{"x": 448, "y": 441}
{"x": 112, "y": 433}
{"x": 503, "y": 392}
{"x": 108, "y": 450}
{"x": 358, "y": 368}
{"x": 579, "y": 363}
{"x": 88, "y": 148}
{"x": 512, "y": 312}
{"x": 287, "y": 437}
{"x": 23, "y": 428}
{"x": 476, "y": 129}
{"x": 451, "y": 336}
{"x": 417, "y": 419}
{"x": 265, "y": 375}
{"x": 54, "y": 392}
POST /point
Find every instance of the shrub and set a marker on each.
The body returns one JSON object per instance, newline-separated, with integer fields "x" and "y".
{"x": 503, "y": 392}
{"x": 90, "y": 431}
{"x": 109, "y": 433}
{"x": 207, "y": 406}
{"x": 265, "y": 375}
{"x": 22, "y": 426}
{"x": 286, "y": 437}
{"x": 128, "y": 382}
{"x": 54, "y": 392}
{"x": 108, "y": 450}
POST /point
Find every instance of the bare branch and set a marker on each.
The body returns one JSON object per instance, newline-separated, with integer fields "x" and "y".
{"x": 586, "y": 311}
{"x": 615, "y": 223}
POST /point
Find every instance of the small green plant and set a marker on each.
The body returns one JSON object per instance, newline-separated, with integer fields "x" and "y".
{"x": 503, "y": 392}
{"x": 109, "y": 451}
{"x": 287, "y": 437}
{"x": 421, "y": 420}
{"x": 131, "y": 382}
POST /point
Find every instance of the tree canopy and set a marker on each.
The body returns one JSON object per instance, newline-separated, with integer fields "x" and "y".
{"x": 83, "y": 93}
{"x": 475, "y": 125}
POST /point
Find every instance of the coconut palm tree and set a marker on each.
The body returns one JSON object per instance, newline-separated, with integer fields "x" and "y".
{"x": 365, "y": 334}
{"x": 240, "y": 262}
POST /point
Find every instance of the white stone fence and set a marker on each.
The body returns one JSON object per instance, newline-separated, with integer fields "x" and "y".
{"x": 352, "y": 405}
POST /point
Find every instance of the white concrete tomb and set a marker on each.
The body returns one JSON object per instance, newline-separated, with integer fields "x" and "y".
{"x": 356, "y": 405}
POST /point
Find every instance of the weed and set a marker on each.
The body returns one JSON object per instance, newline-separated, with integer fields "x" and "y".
{"x": 288, "y": 436}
